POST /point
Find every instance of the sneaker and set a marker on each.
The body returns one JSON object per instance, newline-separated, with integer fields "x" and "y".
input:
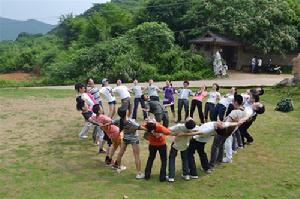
{"x": 226, "y": 160}
{"x": 194, "y": 177}
{"x": 140, "y": 176}
{"x": 234, "y": 152}
{"x": 108, "y": 162}
{"x": 208, "y": 171}
{"x": 249, "y": 143}
{"x": 83, "y": 137}
{"x": 186, "y": 177}
{"x": 121, "y": 168}
{"x": 101, "y": 151}
{"x": 170, "y": 179}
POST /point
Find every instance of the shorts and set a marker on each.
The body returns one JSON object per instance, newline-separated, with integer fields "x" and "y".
{"x": 87, "y": 115}
{"x": 112, "y": 102}
{"x": 107, "y": 139}
{"x": 116, "y": 142}
{"x": 126, "y": 103}
{"x": 131, "y": 141}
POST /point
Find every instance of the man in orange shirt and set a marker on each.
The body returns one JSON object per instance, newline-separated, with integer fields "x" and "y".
{"x": 156, "y": 135}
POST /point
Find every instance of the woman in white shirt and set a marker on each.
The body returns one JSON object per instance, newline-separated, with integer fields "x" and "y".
{"x": 213, "y": 97}
{"x": 106, "y": 91}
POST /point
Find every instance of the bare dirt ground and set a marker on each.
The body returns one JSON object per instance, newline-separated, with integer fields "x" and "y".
{"x": 18, "y": 76}
{"x": 235, "y": 79}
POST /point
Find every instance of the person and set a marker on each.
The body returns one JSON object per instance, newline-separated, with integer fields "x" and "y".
{"x": 218, "y": 62}
{"x": 129, "y": 129}
{"x": 157, "y": 109}
{"x": 183, "y": 100}
{"x": 106, "y": 90}
{"x": 112, "y": 132}
{"x": 181, "y": 144}
{"x": 89, "y": 101}
{"x": 138, "y": 91}
{"x": 157, "y": 142}
{"x": 213, "y": 97}
{"x": 220, "y": 109}
{"x": 169, "y": 97}
{"x": 253, "y": 64}
{"x": 197, "y": 143}
{"x": 218, "y": 142}
{"x": 93, "y": 90}
{"x": 197, "y": 102}
{"x": 153, "y": 91}
{"x": 124, "y": 95}
{"x": 259, "y": 64}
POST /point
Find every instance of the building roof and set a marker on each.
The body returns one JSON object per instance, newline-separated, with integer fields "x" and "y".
{"x": 212, "y": 38}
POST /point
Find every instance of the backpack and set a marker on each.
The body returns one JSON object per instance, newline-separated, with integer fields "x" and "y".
{"x": 285, "y": 105}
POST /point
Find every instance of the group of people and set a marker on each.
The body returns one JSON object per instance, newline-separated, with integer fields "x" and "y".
{"x": 256, "y": 64}
{"x": 227, "y": 118}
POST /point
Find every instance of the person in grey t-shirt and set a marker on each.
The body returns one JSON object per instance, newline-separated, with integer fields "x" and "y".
{"x": 152, "y": 91}
{"x": 183, "y": 100}
{"x": 138, "y": 92}
{"x": 157, "y": 109}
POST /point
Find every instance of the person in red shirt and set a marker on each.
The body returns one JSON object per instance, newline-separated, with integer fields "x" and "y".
{"x": 156, "y": 135}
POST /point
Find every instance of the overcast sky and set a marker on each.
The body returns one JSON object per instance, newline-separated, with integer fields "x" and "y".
{"x": 43, "y": 10}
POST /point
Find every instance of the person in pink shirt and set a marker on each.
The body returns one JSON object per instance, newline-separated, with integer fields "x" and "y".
{"x": 110, "y": 130}
{"x": 197, "y": 102}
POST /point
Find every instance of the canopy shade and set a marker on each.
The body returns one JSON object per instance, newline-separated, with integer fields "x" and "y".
{"x": 212, "y": 38}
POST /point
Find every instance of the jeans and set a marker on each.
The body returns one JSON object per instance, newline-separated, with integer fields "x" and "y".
{"x": 198, "y": 104}
{"x": 163, "y": 158}
{"x": 85, "y": 129}
{"x": 244, "y": 132}
{"x": 184, "y": 160}
{"x": 199, "y": 146}
{"x": 219, "y": 111}
{"x": 237, "y": 140}
{"x": 181, "y": 103}
{"x": 209, "y": 108}
{"x": 228, "y": 147}
{"x": 135, "y": 107}
{"x": 217, "y": 149}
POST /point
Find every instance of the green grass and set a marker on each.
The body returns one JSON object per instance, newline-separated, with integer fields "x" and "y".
{"x": 43, "y": 157}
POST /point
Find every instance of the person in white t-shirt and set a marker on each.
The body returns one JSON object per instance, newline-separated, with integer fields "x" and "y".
{"x": 124, "y": 94}
{"x": 183, "y": 100}
{"x": 106, "y": 91}
{"x": 213, "y": 97}
{"x": 138, "y": 92}
{"x": 153, "y": 91}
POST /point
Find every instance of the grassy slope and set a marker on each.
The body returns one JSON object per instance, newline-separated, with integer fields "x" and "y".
{"x": 41, "y": 156}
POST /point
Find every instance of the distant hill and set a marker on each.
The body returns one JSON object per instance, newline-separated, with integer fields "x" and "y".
{"x": 10, "y": 28}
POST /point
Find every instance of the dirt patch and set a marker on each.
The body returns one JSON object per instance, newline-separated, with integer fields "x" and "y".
{"x": 17, "y": 76}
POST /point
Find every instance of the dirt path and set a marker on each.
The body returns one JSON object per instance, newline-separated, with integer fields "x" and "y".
{"x": 235, "y": 79}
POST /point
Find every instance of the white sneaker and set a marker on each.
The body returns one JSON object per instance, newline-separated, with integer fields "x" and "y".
{"x": 194, "y": 177}
{"x": 83, "y": 136}
{"x": 186, "y": 177}
{"x": 171, "y": 179}
{"x": 121, "y": 168}
{"x": 234, "y": 152}
{"x": 226, "y": 160}
{"x": 140, "y": 176}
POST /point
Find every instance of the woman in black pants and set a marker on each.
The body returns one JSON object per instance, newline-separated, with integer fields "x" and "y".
{"x": 210, "y": 104}
{"x": 197, "y": 102}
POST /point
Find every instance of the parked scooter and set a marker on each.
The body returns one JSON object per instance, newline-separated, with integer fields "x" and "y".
{"x": 273, "y": 69}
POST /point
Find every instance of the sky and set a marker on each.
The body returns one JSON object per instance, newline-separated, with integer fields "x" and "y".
{"x": 47, "y": 11}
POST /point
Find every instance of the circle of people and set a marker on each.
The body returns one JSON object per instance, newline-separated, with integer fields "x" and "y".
{"x": 227, "y": 118}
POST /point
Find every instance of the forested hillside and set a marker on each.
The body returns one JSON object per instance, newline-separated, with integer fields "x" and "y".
{"x": 142, "y": 39}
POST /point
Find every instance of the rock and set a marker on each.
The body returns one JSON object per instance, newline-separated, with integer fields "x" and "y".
{"x": 286, "y": 82}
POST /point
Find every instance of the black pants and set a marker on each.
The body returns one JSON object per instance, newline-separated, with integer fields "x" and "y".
{"x": 163, "y": 158}
{"x": 229, "y": 109}
{"x": 220, "y": 110}
{"x": 154, "y": 98}
{"x": 244, "y": 131}
{"x": 198, "y": 104}
{"x": 209, "y": 109}
{"x": 181, "y": 103}
{"x": 199, "y": 147}
{"x": 217, "y": 149}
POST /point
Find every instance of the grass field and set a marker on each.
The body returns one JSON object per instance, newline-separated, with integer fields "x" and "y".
{"x": 41, "y": 155}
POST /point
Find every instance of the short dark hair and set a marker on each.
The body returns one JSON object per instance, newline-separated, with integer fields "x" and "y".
{"x": 256, "y": 98}
{"x": 87, "y": 80}
{"x": 151, "y": 126}
{"x": 122, "y": 112}
{"x": 79, "y": 86}
{"x": 79, "y": 103}
{"x": 238, "y": 99}
{"x": 217, "y": 86}
{"x": 186, "y": 82}
{"x": 190, "y": 124}
{"x": 143, "y": 97}
{"x": 262, "y": 91}
{"x": 260, "y": 110}
{"x": 96, "y": 108}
